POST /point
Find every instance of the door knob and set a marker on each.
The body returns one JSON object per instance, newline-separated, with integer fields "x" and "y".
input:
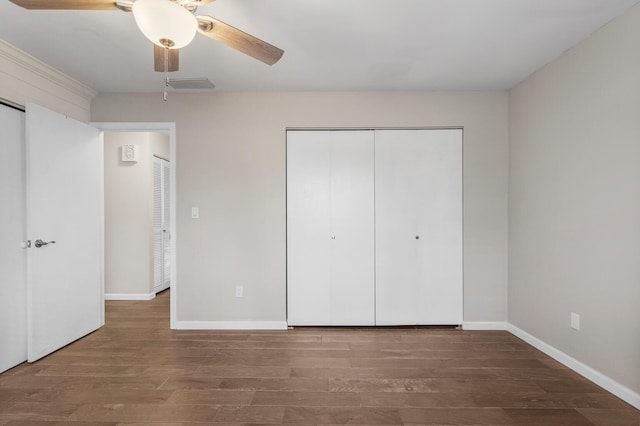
{"x": 40, "y": 243}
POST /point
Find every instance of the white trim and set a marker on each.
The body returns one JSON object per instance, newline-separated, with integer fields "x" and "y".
{"x": 230, "y": 325}
{"x": 595, "y": 376}
{"x": 100, "y": 167}
{"x": 171, "y": 129}
{"x": 129, "y": 296}
{"x": 485, "y": 325}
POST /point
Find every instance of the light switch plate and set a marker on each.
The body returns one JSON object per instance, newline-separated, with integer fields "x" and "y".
{"x": 195, "y": 212}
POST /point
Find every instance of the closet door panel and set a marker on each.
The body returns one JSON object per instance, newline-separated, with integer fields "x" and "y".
{"x": 397, "y": 225}
{"x": 418, "y": 227}
{"x": 308, "y": 229}
{"x": 441, "y": 255}
{"x": 352, "y": 179}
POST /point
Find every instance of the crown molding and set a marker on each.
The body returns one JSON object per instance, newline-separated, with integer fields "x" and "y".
{"x": 35, "y": 66}
{"x": 24, "y": 78}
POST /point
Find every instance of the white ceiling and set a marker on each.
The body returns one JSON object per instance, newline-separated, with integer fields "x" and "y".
{"x": 330, "y": 45}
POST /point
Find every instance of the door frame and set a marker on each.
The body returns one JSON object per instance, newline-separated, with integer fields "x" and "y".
{"x": 170, "y": 128}
{"x": 15, "y": 294}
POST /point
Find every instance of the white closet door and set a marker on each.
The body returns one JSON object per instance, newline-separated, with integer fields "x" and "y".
{"x": 330, "y": 245}
{"x": 13, "y": 258}
{"x": 418, "y": 227}
{"x": 161, "y": 231}
{"x": 157, "y": 225}
{"x": 353, "y": 255}
{"x": 308, "y": 229}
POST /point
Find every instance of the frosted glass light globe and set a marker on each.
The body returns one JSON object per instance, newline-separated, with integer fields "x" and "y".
{"x": 165, "y": 23}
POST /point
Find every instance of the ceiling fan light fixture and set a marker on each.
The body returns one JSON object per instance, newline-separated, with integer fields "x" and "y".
{"x": 165, "y": 22}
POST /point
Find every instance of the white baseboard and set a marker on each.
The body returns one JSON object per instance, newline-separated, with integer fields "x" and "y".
{"x": 484, "y": 325}
{"x": 129, "y": 296}
{"x": 596, "y": 377}
{"x": 230, "y": 325}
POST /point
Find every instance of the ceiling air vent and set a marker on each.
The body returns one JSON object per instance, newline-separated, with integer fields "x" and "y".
{"x": 191, "y": 84}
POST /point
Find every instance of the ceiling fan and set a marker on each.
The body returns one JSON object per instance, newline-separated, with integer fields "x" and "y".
{"x": 170, "y": 25}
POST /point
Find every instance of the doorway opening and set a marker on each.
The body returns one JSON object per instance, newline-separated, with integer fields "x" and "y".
{"x": 140, "y": 198}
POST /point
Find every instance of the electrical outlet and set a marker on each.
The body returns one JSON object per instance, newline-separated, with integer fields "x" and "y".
{"x": 575, "y": 321}
{"x": 239, "y": 291}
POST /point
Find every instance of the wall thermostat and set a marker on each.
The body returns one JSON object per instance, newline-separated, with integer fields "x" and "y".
{"x": 130, "y": 153}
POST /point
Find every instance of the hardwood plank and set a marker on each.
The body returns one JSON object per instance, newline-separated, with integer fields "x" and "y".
{"x": 250, "y": 414}
{"x": 145, "y": 413}
{"x": 577, "y": 384}
{"x": 110, "y": 396}
{"x": 418, "y": 399}
{"x": 333, "y": 415}
{"x": 431, "y": 385}
{"x": 191, "y": 382}
{"x": 292, "y": 384}
{"x": 36, "y": 411}
{"x": 211, "y": 397}
{"x": 68, "y": 370}
{"x": 547, "y": 417}
{"x": 189, "y": 371}
{"x": 79, "y": 383}
{"x": 306, "y": 399}
{"x": 319, "y": 362}
{"x": 455, "y": 416}
{"x": 547, "y": 400}
{"x": 619, "y": 417}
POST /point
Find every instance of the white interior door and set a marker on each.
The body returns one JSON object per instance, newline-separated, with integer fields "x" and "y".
{"x": 13, "y": 258}
{"x": 418, "y": 226}
{"x": 161, "y": 221}
{"x": 64, "y": 204}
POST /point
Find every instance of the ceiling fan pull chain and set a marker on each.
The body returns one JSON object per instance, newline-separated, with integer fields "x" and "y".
{"x": 166, "y": 72}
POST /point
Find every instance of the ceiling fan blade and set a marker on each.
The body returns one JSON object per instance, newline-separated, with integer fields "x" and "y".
{"x": 159, "y": 59}
{"x": 239, "y": 40}
{"x": 66, "y": 4}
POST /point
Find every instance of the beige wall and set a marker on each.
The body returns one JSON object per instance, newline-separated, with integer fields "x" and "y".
{"x": 129, "y": 212}
{"x": 231, "y": 164}
{"x": 574, "y": 155}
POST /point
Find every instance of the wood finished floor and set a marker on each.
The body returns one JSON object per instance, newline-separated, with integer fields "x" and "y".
{"x": 136, "y": 371}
